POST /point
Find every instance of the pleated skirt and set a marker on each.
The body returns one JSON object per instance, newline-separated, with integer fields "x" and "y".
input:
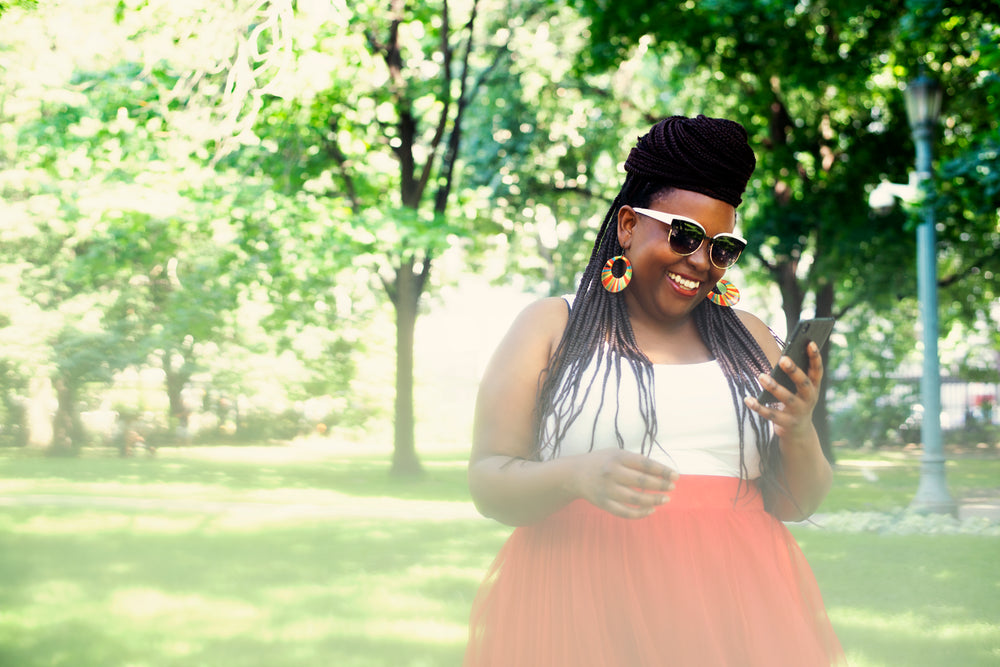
{"x": 708, "y": 580}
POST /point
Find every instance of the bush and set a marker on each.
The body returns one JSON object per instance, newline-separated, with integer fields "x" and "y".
{"x": 264, "y": 425}
{"x": 12, "y": 425}
{"x": 871, "y": 424}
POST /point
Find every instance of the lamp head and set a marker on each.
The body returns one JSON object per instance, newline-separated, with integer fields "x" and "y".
{"x": 923, "y": 102}
{"x": 882, "y": 199}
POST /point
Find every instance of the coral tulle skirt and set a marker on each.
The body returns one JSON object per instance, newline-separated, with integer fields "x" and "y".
{"x": 703, "y": 582}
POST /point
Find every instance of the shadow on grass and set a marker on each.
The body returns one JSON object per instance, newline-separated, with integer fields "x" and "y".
{"x": 309, "y": 593}
{"x": 74, "y": 641}
{"x": 356, "y": 476}
{"x": 915, "y": 600}
{"x": 910, "y": 643}
{"x": 90, "y": 643}
{"x": 88, "y": 586}
{"x": 363, "y": 477}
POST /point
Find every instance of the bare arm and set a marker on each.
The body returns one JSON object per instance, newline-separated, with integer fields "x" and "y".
{"x": 807, "y": 473}
{"x": 506, "y": 480}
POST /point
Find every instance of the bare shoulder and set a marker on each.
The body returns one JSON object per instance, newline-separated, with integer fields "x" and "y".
{"x": 761, "y": 333}
{"x": 505, "y": 405}
{"x": 538, "y": 328}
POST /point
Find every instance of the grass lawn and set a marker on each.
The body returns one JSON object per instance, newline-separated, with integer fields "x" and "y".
{"x": 886, "y": 479}
{"x": 308, "y": 555}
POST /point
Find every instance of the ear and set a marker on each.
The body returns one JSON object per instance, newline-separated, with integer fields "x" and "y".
{"x": 627, "y": 219}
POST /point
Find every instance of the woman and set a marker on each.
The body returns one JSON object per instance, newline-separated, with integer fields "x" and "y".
{"x": 619, "y": 431}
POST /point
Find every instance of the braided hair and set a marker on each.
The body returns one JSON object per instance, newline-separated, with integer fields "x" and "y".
{"x": 705, "y": 155}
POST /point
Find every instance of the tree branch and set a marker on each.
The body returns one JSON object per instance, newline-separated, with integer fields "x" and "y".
{"x": 450, "y": 157}
{"x": 407, "y": 124}
{"x": 849, "y": 306}
{"x": 446, "y": 52}
{"x": 974, "y": 263}
{"x": 590, "y": 194}
{"x": 425, "y": 270}
{"x": 607, "y": 94}
{"x": 333, "y": 150}
{"x": 390, "y": 290}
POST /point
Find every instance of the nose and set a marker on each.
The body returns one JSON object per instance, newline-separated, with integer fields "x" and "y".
{"x": 700, "y": 259}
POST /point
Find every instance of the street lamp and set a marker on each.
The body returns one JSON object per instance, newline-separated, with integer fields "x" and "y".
{"x": 923, "y": 107}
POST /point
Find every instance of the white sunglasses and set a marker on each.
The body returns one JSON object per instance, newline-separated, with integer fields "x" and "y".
{"x": 687, "y": 235}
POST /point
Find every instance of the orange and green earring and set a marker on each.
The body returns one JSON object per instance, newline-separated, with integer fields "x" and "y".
{"x": 724, "y": 294}
{"x": 616, "y": 283}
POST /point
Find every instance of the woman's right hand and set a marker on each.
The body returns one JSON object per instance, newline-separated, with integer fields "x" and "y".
{"x": 506, "y": 480}
{"x": 624, "y": 483}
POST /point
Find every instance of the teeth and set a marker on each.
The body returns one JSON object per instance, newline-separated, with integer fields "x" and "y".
{"x": 684, "y": 282}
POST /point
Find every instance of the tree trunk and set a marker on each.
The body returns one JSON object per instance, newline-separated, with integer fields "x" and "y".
{"x": 67, "y": 430}
{"x": 821, "y": 415}
{"x": 177, "y": 377}
{"x": 39, "y": 416}
{"x": 406, "y": 300}
{"x": 792, "y": 298}
{"x": 791, "y": 294}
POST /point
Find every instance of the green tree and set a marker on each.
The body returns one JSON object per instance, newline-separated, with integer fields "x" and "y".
{"x": 428, "y": 79}
{"x": 114, "y": 219}
{"x": 14, "y": 4}
{"x": 13, "y": 386}
{"x": 817, "y": 86}
{"x": 108, "y": 225}
{"x": 384, "y": 132}
{"x": 545, "y": 143}
{"x": 79, "y": 357}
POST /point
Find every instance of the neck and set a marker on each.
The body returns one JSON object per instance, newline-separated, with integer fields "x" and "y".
{"x": 672, "y": 342}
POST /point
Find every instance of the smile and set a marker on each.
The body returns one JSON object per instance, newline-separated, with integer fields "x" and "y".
{"x": 691, "y": 285}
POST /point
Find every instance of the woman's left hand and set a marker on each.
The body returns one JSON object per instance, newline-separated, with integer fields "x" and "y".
{"x": 792, "y": 416}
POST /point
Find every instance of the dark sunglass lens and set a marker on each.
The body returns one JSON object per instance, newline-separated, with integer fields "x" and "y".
{"x": 725, "y": 252}
{"x": 685, "y": 238}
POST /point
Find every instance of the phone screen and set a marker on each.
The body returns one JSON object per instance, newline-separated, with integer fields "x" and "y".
{"x": 816, "y": 330}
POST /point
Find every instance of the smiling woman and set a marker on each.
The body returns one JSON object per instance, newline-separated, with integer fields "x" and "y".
{"x": 618, "y": 431}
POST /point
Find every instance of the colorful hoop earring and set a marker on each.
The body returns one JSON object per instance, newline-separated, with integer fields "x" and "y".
{"x": 724, "y": 294}
{"x": 610, "y": 281}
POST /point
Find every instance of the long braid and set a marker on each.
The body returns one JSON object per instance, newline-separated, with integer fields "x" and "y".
{"x": 734, "y": 348}
{"x": 598, "y": 328}
{"x": 741, "y": 358}
{"x": 704, "y": 155}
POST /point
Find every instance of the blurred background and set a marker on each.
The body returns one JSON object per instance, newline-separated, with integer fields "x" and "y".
{"x": 257, "y": 219}
{"x": 302, "y": 226}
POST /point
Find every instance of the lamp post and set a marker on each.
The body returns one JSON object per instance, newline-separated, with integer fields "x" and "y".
{"x": 923, "y": 106}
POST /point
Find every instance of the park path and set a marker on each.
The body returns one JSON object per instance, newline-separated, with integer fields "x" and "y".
{"x": 984, "y": 504}
{"x": 347, "y": 507}
{"x": 324, "y": 505}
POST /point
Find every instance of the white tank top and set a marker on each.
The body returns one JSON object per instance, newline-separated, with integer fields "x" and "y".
{"x": 697, "y": 429}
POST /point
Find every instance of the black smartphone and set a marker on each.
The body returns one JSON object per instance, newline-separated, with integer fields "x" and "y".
{"x": 816, "y": 330}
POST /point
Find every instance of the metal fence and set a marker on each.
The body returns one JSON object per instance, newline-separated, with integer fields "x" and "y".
{"x": 963, "y": 403}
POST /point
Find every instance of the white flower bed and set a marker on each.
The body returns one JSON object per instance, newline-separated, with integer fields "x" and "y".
{"x": 902, "y": 522}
